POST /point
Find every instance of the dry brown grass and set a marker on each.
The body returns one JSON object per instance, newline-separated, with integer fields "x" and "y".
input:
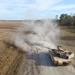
{"x": 9, "y": 24}
{"x": 8, "y": 53}
{"x": 6, "y": 58}
{"x": 68, "y": 39}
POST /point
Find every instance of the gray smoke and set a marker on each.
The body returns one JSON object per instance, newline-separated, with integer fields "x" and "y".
{"x": 37, "y": 35}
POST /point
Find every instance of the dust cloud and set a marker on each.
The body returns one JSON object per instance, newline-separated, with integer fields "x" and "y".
{"x": 37, "y": 35}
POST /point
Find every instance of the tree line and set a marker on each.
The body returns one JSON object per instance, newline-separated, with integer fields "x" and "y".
{"x": 66, "y": 20}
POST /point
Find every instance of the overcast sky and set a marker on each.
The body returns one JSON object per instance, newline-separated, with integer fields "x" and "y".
{"x": 34, "y": 9}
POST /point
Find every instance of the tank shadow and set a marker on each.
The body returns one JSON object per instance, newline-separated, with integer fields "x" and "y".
{"x": 41, "y": 59}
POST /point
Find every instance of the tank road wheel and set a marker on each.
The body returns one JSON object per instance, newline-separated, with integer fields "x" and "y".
{"x": 65, "y": 63}
{"x": 56, "y": 63}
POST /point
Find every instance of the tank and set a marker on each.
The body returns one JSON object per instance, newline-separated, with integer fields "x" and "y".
{"x": 61, "y": 57}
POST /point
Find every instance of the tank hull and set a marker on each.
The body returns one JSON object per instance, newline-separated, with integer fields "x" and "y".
{"x": 58, "y": 61}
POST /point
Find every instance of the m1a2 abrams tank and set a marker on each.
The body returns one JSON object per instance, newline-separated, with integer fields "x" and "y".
{"x": 61, "y": 57}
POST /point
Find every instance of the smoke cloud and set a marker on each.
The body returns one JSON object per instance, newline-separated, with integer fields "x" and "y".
{"x": 37, "y": 35}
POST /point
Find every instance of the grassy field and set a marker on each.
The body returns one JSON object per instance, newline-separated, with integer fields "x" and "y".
{"x": 8, "y": 54}
{"x": 10, "y": 24}
{"x": 67, "y": 39}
